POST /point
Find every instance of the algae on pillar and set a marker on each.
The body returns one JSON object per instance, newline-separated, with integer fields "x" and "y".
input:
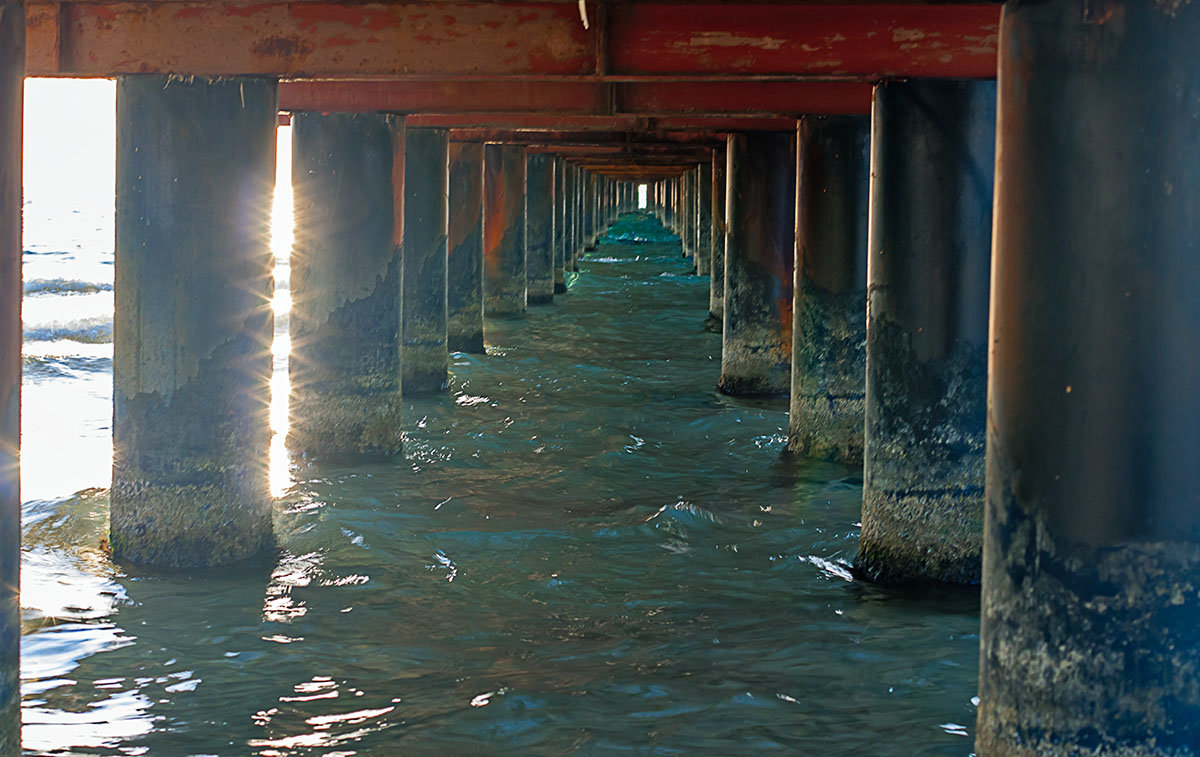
{"x": 424, "y": 358}
{"x": 590, "y": 217}
{"x": 192, "y": 320}
{"x": 704, "y": 238}
{"x": 687, "y": 239}
{"x": 345, "y": 281}
{"x": 464, "y": 266}
{"x": 539, "y": 227}
{"x": 933, "y": 152}
{"x": 1091, "y": 565}
{"x": 756, "y": 347}
{"x": 829, "y": 335}
{"x": 560, "y": 226}
{"x": 12, "y": 72}
{"x": 504, "y": 271}
{"x": 716, "y": 290}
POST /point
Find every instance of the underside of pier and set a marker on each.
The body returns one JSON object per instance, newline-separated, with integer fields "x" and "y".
{"x": 960, "y": 238}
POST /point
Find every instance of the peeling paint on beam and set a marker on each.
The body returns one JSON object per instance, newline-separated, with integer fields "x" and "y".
{"x": 951, "y": 40}
{"x": 304, "y": 39}
{"x": 412, "y": 39}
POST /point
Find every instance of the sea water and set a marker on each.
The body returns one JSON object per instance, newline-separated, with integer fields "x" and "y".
{"x": 584, "y": 549}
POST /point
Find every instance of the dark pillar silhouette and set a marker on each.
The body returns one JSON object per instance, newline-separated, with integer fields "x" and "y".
{"x": 1090, "y": 636}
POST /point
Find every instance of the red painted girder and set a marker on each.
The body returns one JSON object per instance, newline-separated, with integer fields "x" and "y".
{"x": 305, "y": 39}
{"x": 635, "y": 152}
{"x": 547, "y": 137}
{"x": 653, "y": 98}
{"x": 879, "y": 40}
{"x": 414, "y": 39}
{"x": 544, "y": 122}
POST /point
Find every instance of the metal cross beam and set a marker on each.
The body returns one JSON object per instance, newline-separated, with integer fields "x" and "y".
{"x": 578, "y": 97}
{"x": 320, "y": 39}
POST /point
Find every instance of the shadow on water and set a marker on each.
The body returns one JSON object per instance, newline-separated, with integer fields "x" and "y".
{"x": 585, "y": 548}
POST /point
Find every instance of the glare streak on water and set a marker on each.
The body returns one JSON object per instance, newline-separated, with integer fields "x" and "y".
{"x": 585, "y": 548}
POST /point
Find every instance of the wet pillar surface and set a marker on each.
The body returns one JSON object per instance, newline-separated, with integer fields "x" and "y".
{"x": 590, "y": 218}
{"x": 932, "y": 160}
{"x": 192, "y": 320}
{"x": 577, "y": 179}
{"x": 561, "y": 220}
{"x": 716, "y": 292}
{"x": 829, "y": 336}
{"x": 756, "y": 347}
{"x": 424, "y": 358}
{"x": 346, "y": 283}
{"x": 504, "y": 280}
{"x": 704, "y": 220}
{"x": 687, "y": 239}
{"x": 464, "y": 267}
{"x": 1091, "y": 577}
{"x": 12, "y": 71}
{"x": 539, "y": 227}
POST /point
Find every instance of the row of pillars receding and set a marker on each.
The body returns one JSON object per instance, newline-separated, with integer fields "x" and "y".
{"x": 404, "y": 241}
{"x": 1054, "y": 440}
{"x": 1025, "y": 404}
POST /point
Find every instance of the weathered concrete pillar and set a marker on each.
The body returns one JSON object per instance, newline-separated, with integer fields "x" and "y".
{"x": 669, "y": 207}
{"x": 424, "y": 358}
{"x": 829, "y": 336}
{"x": 561, "y": 219}
{"x": 716, "y": 290}
{"x": 933, "y": 153}
{"x": 577, "y": 222}
{"x": 539, "y": 227}
{"x": 1090, "y": 640}
{"x": 504, "y": 280}
{"x": 591, "y": 216}
{"x": 346, "y": 283}
{"x": 756, "y": 348}
{"x": 687, "y": 236}
{"x": 192, "y": 324}
{"x": 704, "y": 239}
{"x": 464, "y": 267}
{"x": 12, "y": 72}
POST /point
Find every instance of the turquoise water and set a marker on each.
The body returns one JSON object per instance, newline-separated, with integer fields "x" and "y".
{"x": 585, "y": 549}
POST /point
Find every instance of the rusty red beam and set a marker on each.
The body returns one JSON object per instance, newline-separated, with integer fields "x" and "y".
{"x": 549, "y": 122}
{"x": 321, "y": 39}
{"x": 654, "y": 98}
{"x": 633, "y": 152}
{"x": 551, "y": 136}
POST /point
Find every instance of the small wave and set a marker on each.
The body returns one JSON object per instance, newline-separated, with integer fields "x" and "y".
{"x": 97, "y": 330}
{"x": 65, "y": 286}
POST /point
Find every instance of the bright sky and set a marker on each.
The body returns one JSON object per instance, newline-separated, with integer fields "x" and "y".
{"x": 70, "y": 133}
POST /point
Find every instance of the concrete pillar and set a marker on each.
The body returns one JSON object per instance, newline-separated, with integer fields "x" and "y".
{"x": 756, "y": 348}
{"x": 345, "y": 281}
{"x": 424, "y": 358}
{"x": 192, "y": 322}
{"x": 687, "y": 235}
{"x": 464, "y": 267}
{"x": 539, "y": 227}
{"x": 716, "y": 291}
{"x": 1090, "y": 640}
{"x": 577, "y": 223}
{"x": 504, "y": 280}
{"x": 829, "y": 336}
{"x": 591, "y": 219}
{"x": 933, "y": 153}
{"x": 560, "y": 226}
{"x": 12, "y": 72}
{"x": 671, "y": 196}
{"x": 704, "y": 239}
